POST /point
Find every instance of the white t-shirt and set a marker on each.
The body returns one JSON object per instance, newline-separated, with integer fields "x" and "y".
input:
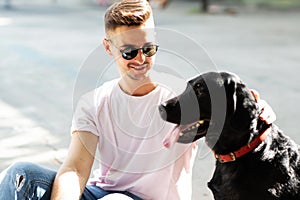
{"x": 130, "y": 129}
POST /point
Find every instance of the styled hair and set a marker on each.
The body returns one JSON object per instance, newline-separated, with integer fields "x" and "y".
{"x": 128, "y": 13}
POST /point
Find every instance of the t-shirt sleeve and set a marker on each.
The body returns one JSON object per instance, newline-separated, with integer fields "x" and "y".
{"x": 84, "y": 115}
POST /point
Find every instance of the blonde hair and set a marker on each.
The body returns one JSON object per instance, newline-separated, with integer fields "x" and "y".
{"x": 128, "y": 13}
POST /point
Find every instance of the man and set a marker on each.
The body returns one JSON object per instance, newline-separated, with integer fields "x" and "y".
{"x": 120, "y": 119}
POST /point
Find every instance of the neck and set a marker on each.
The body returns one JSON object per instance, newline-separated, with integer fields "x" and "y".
{"x": 136, "y": 87}
{"x": 250, "y": 146}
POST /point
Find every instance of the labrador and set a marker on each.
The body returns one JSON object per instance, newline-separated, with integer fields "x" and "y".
{"x": 254, "y": 160}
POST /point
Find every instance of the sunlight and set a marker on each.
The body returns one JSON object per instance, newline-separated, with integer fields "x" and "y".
{"x": 23, "y": 139}
{"x": 4, "y": 21}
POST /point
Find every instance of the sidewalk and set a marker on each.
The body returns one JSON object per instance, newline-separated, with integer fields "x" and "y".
{"x": 27, "y": 141}
{"x": 42, "y": 48}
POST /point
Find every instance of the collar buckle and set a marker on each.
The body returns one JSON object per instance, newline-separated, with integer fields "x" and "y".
{"x": 233, "y": 157}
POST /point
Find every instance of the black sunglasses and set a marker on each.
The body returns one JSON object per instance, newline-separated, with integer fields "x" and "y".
{"x": 131, "y": 52}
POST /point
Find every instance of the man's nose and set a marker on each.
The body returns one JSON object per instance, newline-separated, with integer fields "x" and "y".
{"x": 140, "y": 57}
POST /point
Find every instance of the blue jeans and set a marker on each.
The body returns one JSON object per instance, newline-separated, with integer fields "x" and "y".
{"x": 28, "y": 181}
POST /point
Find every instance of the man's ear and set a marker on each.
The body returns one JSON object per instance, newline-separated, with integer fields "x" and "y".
{"x": 107, "y": 46}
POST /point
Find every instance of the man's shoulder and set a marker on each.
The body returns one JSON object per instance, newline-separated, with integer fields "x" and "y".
{"x": 104, "y": 87}
{"x": 100, "y": 92}
{"x": 108, "y": 84}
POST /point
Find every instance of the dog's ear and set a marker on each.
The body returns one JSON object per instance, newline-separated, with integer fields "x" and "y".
{"x": 230, "y": 85}
{"x": 245, "y": 109}
{"x": 241, "y": 105}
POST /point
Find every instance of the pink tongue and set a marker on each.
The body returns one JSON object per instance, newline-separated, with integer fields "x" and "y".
{"x": 171, "y": 138}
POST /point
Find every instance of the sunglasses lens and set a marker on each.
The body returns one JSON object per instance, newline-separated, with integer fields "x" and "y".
{"x": 150, "y": 50}
{"x": 129, "y": 53}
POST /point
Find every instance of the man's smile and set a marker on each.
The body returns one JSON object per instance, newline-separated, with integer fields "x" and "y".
{"x": 138, "y": 67}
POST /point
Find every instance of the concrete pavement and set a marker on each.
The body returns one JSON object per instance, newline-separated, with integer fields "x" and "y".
{"x": 43, "y": 46}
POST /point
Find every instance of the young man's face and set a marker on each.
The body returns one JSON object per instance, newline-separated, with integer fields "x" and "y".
{"x": 132, "y": 62}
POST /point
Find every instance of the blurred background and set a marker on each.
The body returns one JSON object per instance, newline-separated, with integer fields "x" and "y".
{"x": 43, "y": 44}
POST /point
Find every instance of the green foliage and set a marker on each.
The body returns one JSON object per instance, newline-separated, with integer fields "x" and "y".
{"x": 269, "y": 3}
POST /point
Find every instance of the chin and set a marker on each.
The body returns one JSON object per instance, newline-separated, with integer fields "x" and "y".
{"x": 138, "y": 77}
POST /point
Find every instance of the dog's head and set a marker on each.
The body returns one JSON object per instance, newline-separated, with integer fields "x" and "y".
{"x": 216, "y": 105}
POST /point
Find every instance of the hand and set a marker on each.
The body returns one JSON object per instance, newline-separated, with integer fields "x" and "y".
{"x": 267, "y": 113}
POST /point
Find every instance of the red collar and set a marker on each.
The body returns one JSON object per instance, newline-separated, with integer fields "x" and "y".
{"x": 244, "y": 149}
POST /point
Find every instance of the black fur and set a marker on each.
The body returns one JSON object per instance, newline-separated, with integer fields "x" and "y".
{"x": 231, "y": 114}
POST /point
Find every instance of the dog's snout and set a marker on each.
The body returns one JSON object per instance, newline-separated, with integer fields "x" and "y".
{"x": 162, "y": 111}
{"x": 170, "y": 111}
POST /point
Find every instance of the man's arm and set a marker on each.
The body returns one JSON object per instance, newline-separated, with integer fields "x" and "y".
{"x": 73, "y": 175}
{"x": 267, "y": 113}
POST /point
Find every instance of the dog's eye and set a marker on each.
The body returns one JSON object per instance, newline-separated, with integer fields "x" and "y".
{"x": 199, "y": 89}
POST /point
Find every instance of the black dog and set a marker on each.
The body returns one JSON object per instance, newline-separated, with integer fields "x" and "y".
{"x": 254, "y": 160}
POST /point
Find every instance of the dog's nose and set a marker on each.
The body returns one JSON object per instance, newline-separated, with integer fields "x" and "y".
{"x": 162, "y": 111}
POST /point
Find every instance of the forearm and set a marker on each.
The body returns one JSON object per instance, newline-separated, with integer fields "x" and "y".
{"x": 73, "y": 175}
{"x": 67, "y": 186}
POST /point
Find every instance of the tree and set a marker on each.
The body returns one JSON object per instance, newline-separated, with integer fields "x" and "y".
{"x": 204, "y": 5}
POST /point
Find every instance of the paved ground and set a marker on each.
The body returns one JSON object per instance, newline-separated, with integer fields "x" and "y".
{"x": 43, "y": 46}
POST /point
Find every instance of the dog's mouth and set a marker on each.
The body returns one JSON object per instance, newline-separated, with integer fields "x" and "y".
{"x": 187, "y": 133}
{"x": 192, "y": 132}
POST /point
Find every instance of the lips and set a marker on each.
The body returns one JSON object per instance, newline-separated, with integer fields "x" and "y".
{"x": 184, "y": 133}
{"x": 138, "y": 67}
{"x": 191, "y": 127}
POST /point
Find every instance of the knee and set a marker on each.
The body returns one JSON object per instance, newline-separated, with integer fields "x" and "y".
{"x": 30, "y": 169}
{"x": 20, "y": 167}
{"x": 18, "y": 172}
{"x": 25, "y": 178}
{"x": 116, "y": 196}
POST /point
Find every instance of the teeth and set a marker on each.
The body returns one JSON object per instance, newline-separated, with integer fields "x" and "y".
{"x": 180, "y": 134}
{"x": 198, "y": 124}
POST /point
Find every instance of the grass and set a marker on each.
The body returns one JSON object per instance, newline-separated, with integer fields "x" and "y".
{"x": 281, "y": 4}
{"x": 264, "y": 4}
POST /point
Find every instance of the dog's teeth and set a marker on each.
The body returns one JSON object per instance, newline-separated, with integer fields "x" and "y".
{"x": 197, "y": 125}
{"x": 193, "y": 127}
{"x": 180, "y": 134}
{"x": 201, "y": 122}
